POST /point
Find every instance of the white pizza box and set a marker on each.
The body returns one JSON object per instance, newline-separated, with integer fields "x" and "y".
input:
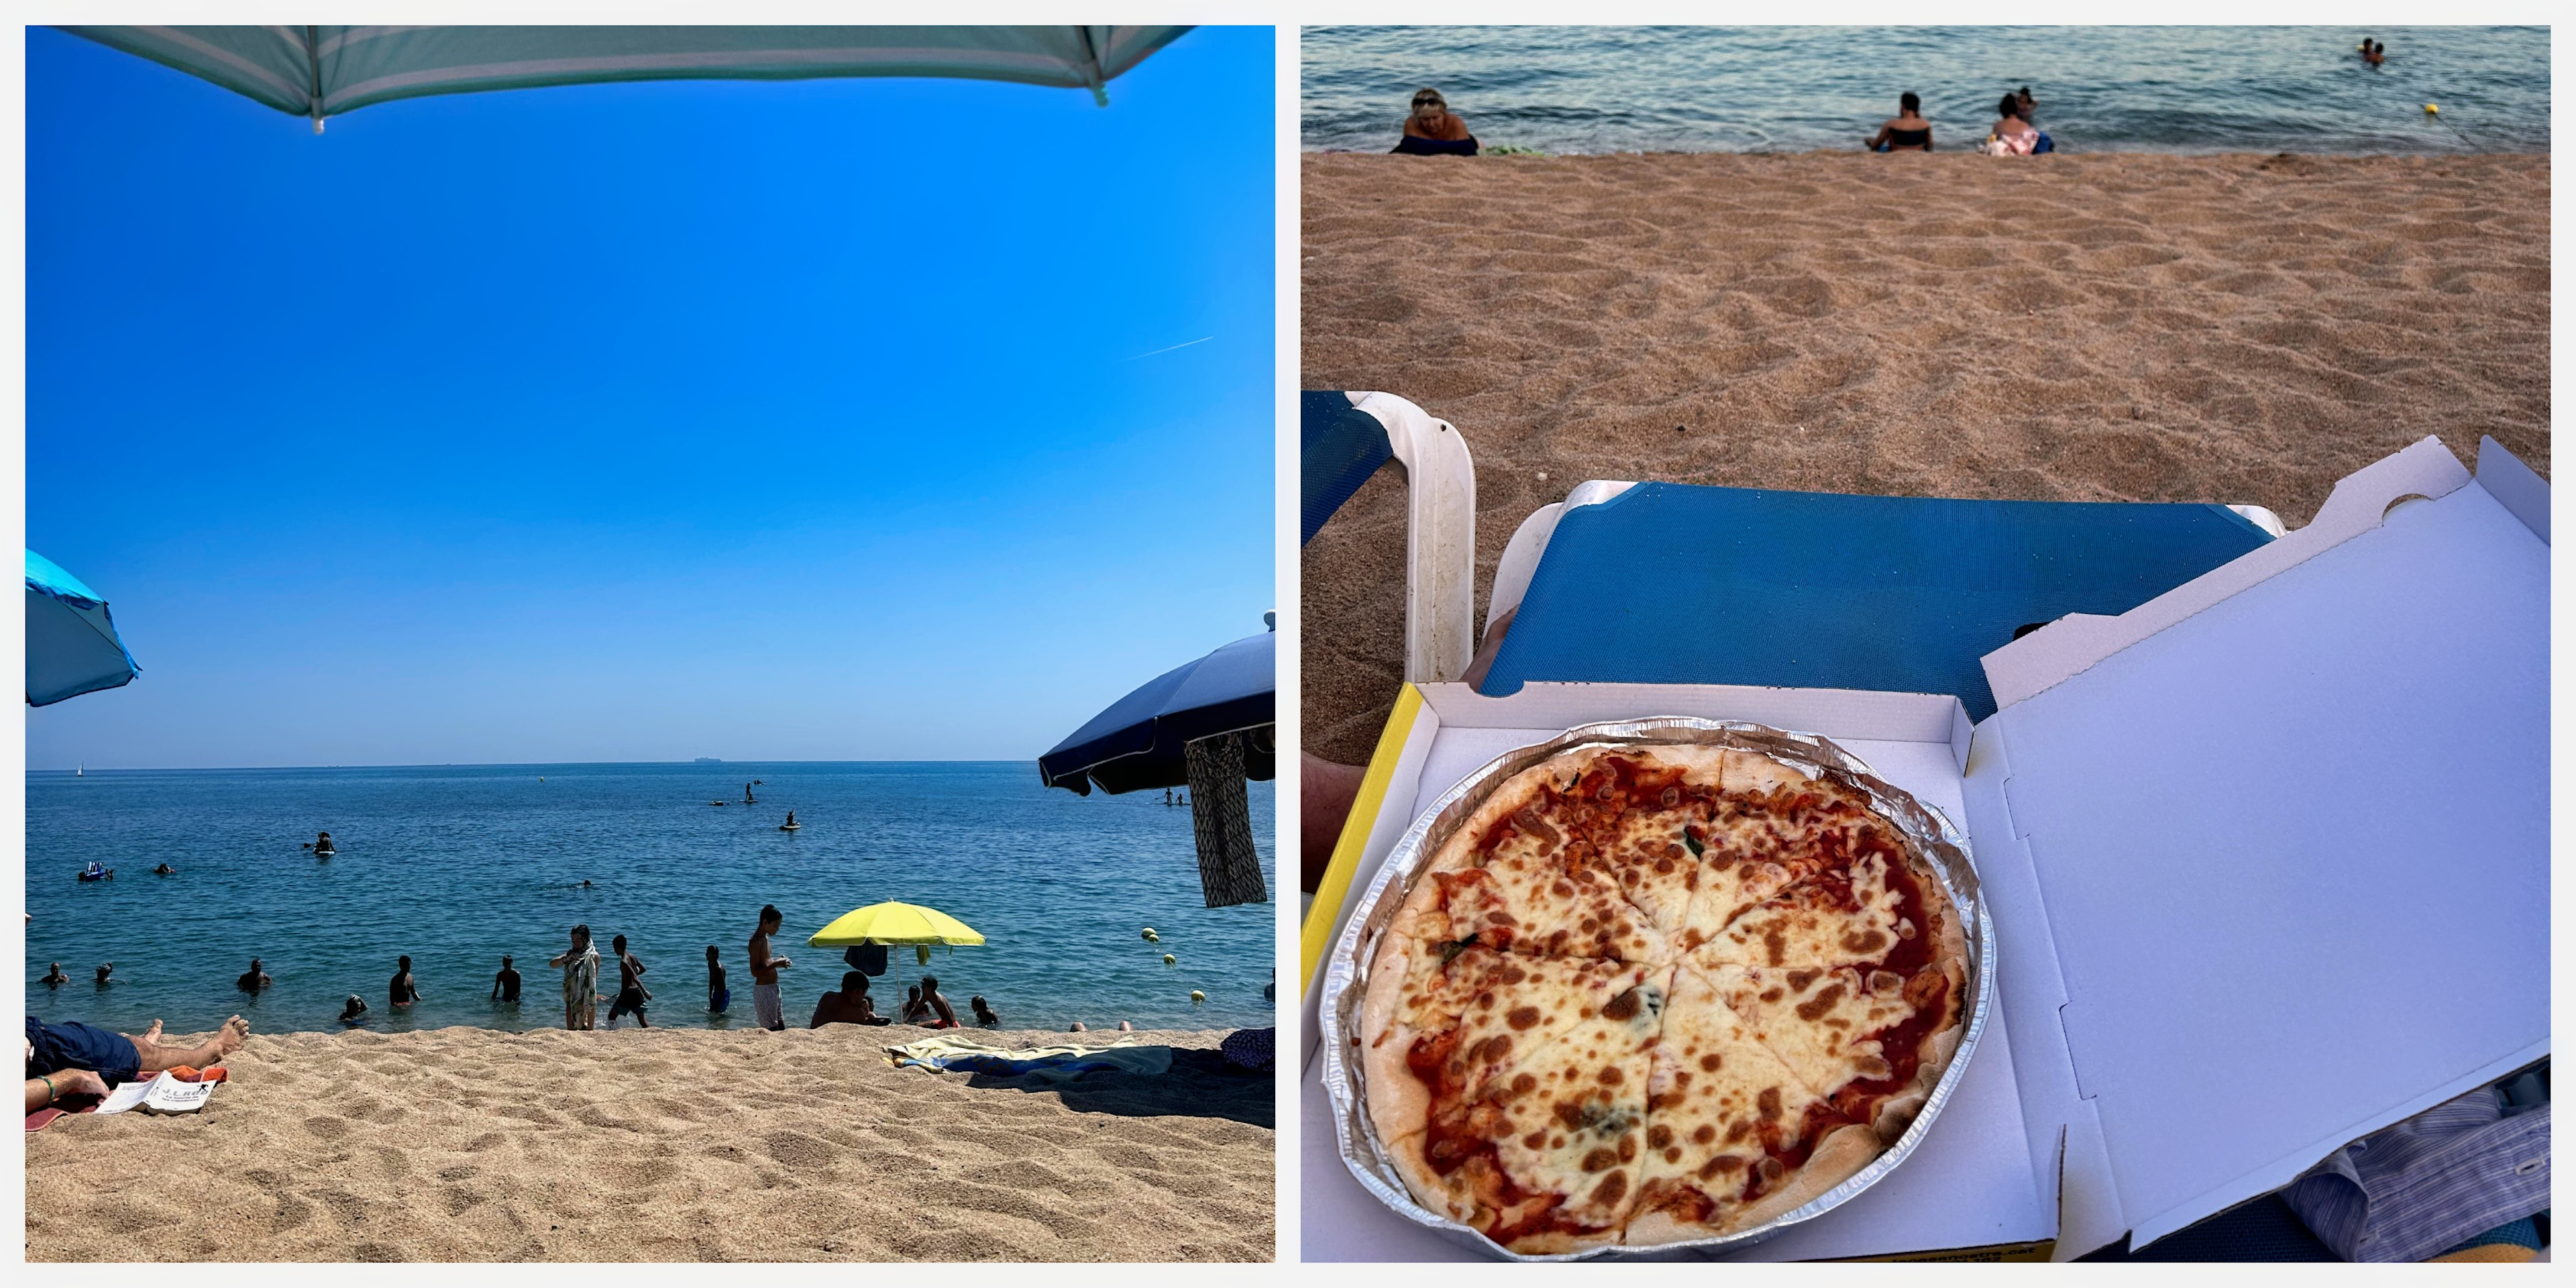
{"x": 2268, "y": 854}
{"x": 2187, "y": 1029}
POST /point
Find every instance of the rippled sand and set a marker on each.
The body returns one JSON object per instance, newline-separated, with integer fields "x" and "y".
{"x": 2240, "y": 329}
{"x": 671, "y": 1145}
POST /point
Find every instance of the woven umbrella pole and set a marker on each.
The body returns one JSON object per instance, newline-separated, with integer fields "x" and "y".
{"x": 1221, "y": 814}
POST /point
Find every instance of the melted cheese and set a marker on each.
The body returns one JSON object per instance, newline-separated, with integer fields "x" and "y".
{"x": 1816, "y": 1021}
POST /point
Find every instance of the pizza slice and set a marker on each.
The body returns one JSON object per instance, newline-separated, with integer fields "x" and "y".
{"x": 1873, "y": 1042}
{"x": 1727, "y": 1132}
{"x": 1518, "y": 877}
{"x": 1445, "y": 1019}
{"x": 1545, "y": 1160}
{"x": 1841, "y": 916}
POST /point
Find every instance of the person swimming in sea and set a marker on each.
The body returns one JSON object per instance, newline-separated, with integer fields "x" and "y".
{"x": 1908, "y": 131}
{"x": 165, "y": 870}
{"x": 1432, "y": 130}
{"x": 254, "y": 979}
{"x": 984, "y": 1015}
{"x": 2029, "y": 106}
{"x": 55, "y": 978}
{"x": 105, "y": 969}
{"x": 2373, "y": 52}
{"x": 323, "y": 845}
{"x": 505, "y": 982}
{"x": 355, "y": 1011}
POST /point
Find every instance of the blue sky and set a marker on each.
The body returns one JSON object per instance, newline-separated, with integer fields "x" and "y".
{"x": 803, "y": 420}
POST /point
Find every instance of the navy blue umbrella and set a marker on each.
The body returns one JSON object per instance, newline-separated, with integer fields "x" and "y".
{"x": 72, "y": 646}
{"x": 1140, "y": 741}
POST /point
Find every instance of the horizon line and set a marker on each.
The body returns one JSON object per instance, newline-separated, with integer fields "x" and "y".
{"x": 543, "y": 764}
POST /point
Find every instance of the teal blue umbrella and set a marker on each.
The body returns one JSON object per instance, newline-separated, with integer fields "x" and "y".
{"x": 72, "y": 646}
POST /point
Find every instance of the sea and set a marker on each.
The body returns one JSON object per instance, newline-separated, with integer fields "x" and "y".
{"x": 1796, "y": 89}
{"x": 458, "y": 865}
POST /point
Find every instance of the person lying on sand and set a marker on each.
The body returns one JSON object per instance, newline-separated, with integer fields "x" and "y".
{"x": 932, "y": 1001}
{"x": 984, "y": 1014}
{"x": 115, "y": 1057}
{"x": 765, "y": 1004}
{"x": 630, "y": 986}
{"x": 1433, "y": 131}
{"x": 354, "y": 1012}
{"x": 402, "y": 990}
{"x": 47, "y": 1090}
{"x": 2013, "y": 136}
{"x": 1908, "y": 132}
{"x": 254, "y": 979}
{"x": 55, "y": 978}
{"x": 849, "y": 1004}
{"x": 505, "y": 984}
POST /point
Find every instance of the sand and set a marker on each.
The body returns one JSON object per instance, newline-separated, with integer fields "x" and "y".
{"x": 670, "y": 1145}
{"x": 2237, "y": 329}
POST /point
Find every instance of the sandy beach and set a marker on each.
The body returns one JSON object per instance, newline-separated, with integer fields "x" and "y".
{"x": 2240, "y": 329}
{"x": 467, "y": 1144}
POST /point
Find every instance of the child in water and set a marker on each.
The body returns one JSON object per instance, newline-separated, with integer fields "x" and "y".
{"x": 718, "y": 996}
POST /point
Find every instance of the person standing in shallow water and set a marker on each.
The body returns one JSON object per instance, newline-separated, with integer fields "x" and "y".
{"x": 505, "y": 984}
{"x": 630, "y": 986}
{"x": 766, "y": 1006}
{"x": 718, "y": 996}
{"x": 254, "y": 979}
{"x": 580, "y": 981}
{"x": 404, "y": 990}
{"x": 55, "y": 978}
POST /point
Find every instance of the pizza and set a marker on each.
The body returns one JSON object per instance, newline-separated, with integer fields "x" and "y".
{"x": 1657, "y": 993}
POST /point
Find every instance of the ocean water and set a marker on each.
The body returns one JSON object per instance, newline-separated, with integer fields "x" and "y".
{"x": 458, "y": 865}
{"x": 2100, "y": 89}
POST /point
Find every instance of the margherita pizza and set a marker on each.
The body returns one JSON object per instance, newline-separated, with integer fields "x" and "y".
{"x": 1652, "y": 994}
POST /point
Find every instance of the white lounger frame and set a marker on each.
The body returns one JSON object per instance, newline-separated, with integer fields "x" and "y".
{"x": 1439, "y": 537}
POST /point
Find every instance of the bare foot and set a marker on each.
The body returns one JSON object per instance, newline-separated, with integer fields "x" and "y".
{"x": 153, "y": 1034}
{"x": 231, "y": 1036}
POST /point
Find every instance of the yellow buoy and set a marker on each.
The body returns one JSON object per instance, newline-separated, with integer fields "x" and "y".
{"x": 1150, "y": 936}
{"x": 1170, "y": 960}
{"x": 1197, "y": 997}
{"x": 2432, "y": 109}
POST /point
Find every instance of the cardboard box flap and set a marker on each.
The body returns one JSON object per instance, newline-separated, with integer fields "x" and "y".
{"x": 2290, "y": 850}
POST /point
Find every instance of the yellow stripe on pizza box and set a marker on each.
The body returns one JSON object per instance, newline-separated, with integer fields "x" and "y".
{"x": 2249, "y": 765}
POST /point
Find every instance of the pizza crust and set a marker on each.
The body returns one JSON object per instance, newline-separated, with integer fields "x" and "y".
{"x": 1397, "y": 1102}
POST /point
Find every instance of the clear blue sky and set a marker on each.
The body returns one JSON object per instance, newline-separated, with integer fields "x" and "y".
{"x": 803, "y": 420}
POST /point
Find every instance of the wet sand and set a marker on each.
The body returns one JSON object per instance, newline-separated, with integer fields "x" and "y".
{"x": 670, "y": 1145}
{"x": 2238, "y": 329}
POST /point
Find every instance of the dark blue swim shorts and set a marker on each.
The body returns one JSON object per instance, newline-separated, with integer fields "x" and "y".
{"x": 74, "y": 1045}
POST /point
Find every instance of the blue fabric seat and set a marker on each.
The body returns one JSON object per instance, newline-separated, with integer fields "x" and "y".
{"x": 1338, "y": 448}
{"x": 1675, "y": 584}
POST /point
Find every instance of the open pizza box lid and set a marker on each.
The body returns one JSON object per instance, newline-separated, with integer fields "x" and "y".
{"x": 2266, "y": 855}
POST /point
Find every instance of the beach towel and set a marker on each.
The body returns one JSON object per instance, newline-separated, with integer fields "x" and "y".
{"x": 1248, "y": 1048}
{"x": 1054, "y": 1063}
{"x": 1415, "y": 145}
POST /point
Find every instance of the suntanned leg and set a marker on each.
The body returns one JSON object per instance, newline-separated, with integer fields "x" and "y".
{"x": 154, "y": 1055}
{"x": 1327, "y": 791}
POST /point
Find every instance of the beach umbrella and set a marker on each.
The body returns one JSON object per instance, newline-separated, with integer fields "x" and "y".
{"x": 318, "y": 72}
{"x": 72, "y": 646}
{"x": 1207, "y": 725}
{"x": 894, "y": 923}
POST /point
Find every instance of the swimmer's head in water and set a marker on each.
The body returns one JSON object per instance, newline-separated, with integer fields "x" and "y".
{"x": 1909, "y": 102}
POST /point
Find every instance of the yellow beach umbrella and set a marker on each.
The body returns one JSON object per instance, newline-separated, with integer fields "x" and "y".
{"x": 895, "y": 923}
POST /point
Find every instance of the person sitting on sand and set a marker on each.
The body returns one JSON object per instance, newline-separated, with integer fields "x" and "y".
{"x": 984, "y": 1014}
{"x": 932, "y": 1001}
{"x": 55, "y": 978}
{"x": 165, "y": 870}
{"x": 116, "y": 1057}
{"x": 354, "y": 1011}
{"x": 718, "y": 996}
{"x": 1433, "y": 131}
{"x": 1908, "y": 132}
{"x": 254, "y": 979}
{"x": 403, "y": 990}
{"x": 849, "y": 1004}
{"x": 505, "y": 983}
{"x": 630, "y": 986}
{"x": 766, "y": 1008}
{"x": 2013, "y": 136}
{"x": 580, "y": 981}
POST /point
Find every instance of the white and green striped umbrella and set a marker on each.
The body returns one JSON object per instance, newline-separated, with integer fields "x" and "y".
{"x": 324, "y": 71}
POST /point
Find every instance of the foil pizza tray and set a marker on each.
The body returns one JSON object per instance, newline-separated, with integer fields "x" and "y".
{"x": 1345, "y": 983}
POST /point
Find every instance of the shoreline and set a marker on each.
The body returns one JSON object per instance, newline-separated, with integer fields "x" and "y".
{"x": 2242, "y": 328}
{"x": 666, "y": 1145}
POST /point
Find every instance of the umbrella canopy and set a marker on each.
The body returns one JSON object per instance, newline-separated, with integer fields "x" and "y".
{"x": 72, "y": 646}
{"x": 895, "y": 923}
{"x": 323, "y": 71}
{"x": 1140, "y": 741}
